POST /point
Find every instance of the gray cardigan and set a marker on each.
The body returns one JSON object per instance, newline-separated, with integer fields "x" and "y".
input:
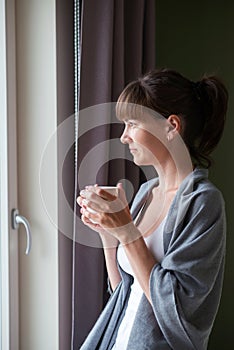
{"x": 186, "y": 286}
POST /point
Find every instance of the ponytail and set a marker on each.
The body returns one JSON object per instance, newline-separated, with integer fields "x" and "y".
{"x": 213, "y": 97}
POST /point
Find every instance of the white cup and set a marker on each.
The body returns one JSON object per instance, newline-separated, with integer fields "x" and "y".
{"x": 112, "y": 190}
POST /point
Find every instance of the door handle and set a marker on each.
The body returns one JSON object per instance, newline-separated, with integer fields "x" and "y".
{"x": 19, "y": 219}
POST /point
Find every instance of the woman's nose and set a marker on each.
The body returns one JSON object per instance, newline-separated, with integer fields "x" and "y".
{"x": 124, "y": 138}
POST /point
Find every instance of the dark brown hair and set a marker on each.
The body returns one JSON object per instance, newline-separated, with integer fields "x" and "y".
{"x": 201, "y": 105}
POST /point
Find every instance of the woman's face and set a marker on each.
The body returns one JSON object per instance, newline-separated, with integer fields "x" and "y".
{"x": 146, "y": 139}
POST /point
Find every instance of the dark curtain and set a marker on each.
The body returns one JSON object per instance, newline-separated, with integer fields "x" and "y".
{"x": 118, "y": 45}
{"x": 65, "y": 109}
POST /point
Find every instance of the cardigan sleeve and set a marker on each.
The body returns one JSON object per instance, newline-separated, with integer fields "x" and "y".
{"x": 186, "y": 286}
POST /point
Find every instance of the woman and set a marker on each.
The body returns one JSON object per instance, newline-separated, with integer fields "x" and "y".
{"x": 165, "y": 258}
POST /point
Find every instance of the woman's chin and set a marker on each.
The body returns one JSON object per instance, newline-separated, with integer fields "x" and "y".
{"x": 139, "y": 162}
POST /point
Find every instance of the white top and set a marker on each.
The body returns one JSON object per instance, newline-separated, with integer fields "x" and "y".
{"x": 155, "y": 244}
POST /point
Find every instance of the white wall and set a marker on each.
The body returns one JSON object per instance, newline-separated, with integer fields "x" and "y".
{"x": 36, "y": 95}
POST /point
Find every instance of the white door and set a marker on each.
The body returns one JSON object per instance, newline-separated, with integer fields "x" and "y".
{"x": 9, "y": 305}
{"x": 28, "y": 283}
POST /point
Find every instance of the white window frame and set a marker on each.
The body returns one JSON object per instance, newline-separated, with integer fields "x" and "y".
{"x": 8, "y": 180}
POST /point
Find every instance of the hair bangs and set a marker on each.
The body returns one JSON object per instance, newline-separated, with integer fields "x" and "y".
{"x": 131, "y": 102}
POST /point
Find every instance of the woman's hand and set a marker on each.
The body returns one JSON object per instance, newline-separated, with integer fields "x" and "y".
{"x": 108, "y": 240}
{"x": 112, "y": 215}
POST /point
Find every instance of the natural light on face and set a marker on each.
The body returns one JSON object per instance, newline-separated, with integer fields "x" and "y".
{"x": 144, "y": 117}
{"x": 144, "y": 133}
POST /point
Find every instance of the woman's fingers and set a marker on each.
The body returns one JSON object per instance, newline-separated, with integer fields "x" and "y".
{"x": 79, "y": 201}
{"x": 121, "y": 192}
{"x": 90, "y": 193}
{"x": 86, "y": 220}
{"x": 91, "y": 215}
{"x": 111, "y": 216}
{"x": 122, "y": 196}
{"x": 94, "y": 198}
{"x": 101, "y": 193}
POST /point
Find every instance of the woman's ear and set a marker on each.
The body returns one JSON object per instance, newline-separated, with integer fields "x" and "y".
{"x": 174, "y": 125}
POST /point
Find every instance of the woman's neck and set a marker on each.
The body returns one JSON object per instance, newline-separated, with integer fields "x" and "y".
{"x": 170, "y": 177}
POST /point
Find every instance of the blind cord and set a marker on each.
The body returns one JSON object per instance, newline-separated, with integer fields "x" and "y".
{"x": 77, "y": 59}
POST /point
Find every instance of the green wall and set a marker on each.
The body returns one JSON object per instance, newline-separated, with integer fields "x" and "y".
{"x": 196, "y": 38}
